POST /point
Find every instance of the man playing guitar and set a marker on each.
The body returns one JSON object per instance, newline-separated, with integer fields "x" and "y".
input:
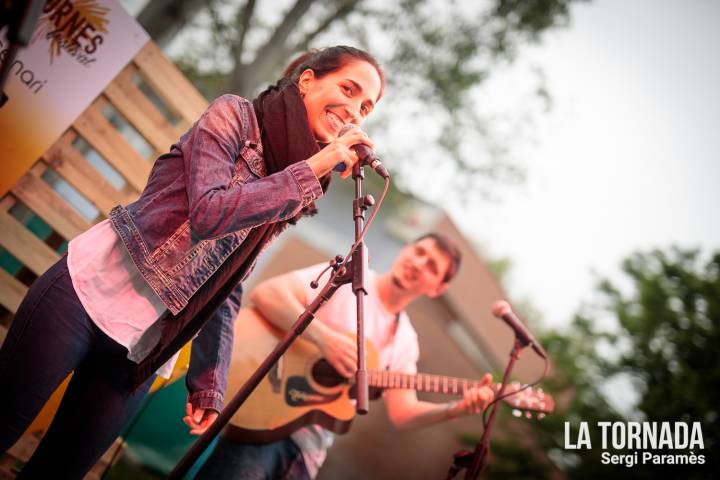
{"x": 423, "y": 267}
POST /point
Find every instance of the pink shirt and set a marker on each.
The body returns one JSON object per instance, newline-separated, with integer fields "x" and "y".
{"x": 114, "y": 294}
{"x": 398, "y": 352}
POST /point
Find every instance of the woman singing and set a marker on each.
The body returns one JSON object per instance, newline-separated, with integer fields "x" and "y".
{"x": 168, "y": 267}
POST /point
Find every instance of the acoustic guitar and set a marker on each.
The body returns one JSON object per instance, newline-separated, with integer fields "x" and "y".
{"x": 303, "y": 388}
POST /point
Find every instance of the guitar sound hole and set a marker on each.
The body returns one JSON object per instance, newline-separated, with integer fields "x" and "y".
{"x": 324, "y": 374}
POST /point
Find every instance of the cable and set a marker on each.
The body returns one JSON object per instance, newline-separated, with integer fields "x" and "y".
{"x": 524, "y": 387}
{"x": 362, "y": 233}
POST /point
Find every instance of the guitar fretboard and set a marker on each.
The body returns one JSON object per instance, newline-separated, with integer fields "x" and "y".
{"x": 421, "y": 382}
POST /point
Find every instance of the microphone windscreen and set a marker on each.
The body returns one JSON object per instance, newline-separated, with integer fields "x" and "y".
{"x": 500, "y": 308}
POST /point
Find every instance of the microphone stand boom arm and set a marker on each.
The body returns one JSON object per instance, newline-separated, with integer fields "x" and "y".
{"x": 251, "y": 383}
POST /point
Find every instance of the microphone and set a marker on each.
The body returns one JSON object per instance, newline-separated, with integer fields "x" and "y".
{"x": 365, "y": 154}
{"x": 501, "y": 309}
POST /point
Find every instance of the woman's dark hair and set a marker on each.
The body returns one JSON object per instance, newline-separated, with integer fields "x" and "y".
{"x": 450, "y": 249}
{"x": 329, "y": 59}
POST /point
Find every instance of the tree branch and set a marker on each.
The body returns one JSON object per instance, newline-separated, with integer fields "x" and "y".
{"x": 276, "y": 44}
{"x": 219, "y": 28}
{"x": 245, "y": 16}
{"x": 246, "y": 78}
{"x": 341, "y": 12}
{"x": 162, "y": 19}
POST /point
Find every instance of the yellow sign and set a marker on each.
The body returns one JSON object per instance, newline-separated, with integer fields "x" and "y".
{"x": 77, "y": 49}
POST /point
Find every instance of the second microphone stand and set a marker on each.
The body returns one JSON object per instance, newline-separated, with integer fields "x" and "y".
{"x": 476, "y": 461}
{"x": 351, "y": 272}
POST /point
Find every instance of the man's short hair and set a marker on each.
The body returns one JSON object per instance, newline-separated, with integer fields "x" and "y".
{"x": 449, "y": 248}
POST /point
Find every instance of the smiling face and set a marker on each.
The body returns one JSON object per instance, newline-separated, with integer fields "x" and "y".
{"x": 420, "y": 269}
{"x": 347, "y": 95}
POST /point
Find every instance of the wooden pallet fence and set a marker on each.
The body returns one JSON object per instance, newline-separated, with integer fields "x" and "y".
{"x": 102, "y": 160}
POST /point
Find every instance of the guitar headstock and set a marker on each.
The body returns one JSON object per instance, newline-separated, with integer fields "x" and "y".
{"x": 528, "y": 400}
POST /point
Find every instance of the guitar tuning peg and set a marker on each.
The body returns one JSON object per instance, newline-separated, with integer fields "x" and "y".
{"x": 516, "y": 412}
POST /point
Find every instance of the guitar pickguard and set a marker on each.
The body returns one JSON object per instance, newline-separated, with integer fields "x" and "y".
{"x": 299, "y": 393}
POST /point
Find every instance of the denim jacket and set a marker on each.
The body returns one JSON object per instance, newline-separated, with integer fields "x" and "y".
{"x": 200, "y": 202}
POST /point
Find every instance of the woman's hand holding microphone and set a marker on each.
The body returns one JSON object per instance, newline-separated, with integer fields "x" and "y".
{"x": 340, "y": 151}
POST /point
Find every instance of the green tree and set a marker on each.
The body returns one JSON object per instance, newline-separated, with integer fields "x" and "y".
{"x": 662, "y": 334}
{"x": 438, "y": 53}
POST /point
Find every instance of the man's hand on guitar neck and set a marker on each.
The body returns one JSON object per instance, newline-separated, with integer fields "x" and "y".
{"x": 406, "y": 411}
{"x": 475, "y": 400}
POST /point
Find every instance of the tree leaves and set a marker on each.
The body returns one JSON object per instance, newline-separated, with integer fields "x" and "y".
{"x": 665, "y": 344}
{"x": 438, "y": 54}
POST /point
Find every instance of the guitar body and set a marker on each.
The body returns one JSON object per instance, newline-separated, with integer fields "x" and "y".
{"x": 301, "y": 389}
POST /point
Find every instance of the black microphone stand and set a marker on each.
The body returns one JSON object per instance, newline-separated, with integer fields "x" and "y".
{"x": 251, "y": 383}
{"x": 351, "y": 272}
{"x": 359, "y": 267}
{"x": 476, "y": 461}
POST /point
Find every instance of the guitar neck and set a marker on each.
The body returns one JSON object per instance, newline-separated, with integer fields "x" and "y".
{"x": 421, "y": 382}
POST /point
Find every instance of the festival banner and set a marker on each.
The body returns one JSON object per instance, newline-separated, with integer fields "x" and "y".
{"x": 77, "y": 49}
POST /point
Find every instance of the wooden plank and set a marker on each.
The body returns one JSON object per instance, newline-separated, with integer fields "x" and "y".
{"x": 184, "y": 125}
{"x": 7, "y": 203}
{"x": 78, "y": 172}
{"x": 48, "y": 205}
{"x": 24, "y": 447}
{"x": 140, "y": 111}
{"x": 97, "y": 472}
{"x": 169, "y": 83}
{"x": 12, "y": 291}
{"x": 26, "y": 247}
{"x": 102, "y": 136}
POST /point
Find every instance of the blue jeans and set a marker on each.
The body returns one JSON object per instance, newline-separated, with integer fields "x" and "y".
{"x": 271, "y": 461}
{"x": 51, "y": 336}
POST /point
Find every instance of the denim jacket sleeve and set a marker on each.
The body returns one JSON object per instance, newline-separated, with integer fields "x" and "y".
{"x": 217, "y": 205}
{"x": 210, "y": 355}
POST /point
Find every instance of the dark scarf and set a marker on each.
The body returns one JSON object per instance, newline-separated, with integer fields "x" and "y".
{"x": 285, "y": 131}
{"x": 286, "y": 139}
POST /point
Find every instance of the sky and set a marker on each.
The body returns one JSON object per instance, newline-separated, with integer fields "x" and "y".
{"x": 626, "y": 160}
